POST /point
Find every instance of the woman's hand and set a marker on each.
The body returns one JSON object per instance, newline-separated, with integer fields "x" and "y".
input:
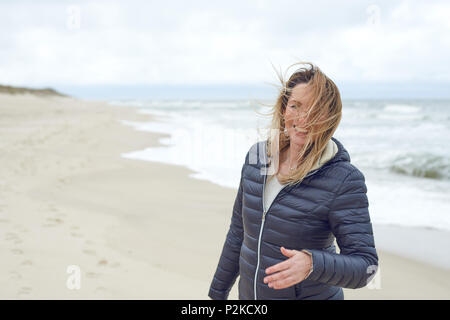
{"x": 289, "y": 272}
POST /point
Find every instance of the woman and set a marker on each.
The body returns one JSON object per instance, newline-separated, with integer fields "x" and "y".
{"x": 298, "y": 193}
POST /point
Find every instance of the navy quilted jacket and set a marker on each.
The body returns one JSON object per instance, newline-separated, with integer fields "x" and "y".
{"x": 329, "y": 203}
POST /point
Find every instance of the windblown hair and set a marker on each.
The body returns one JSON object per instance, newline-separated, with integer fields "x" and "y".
{"x": 322, "y": 119}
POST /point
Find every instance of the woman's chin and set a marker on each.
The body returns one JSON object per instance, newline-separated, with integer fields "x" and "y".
{"x": 298, "y": 140}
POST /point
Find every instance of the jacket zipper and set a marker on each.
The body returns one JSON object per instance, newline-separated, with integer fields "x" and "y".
{"x": 262, "y": 225}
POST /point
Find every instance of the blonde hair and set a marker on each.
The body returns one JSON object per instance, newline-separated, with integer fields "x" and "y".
{"x": 322, "y": 118}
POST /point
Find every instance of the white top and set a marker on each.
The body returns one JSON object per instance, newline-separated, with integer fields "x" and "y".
{"x": 273, "y": 186}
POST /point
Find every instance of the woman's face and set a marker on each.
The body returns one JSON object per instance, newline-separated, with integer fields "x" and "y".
{"x": 295, "y": 113}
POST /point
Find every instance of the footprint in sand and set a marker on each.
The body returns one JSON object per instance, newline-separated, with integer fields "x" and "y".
{"x": 89, "y": 252}
{"x": 100, "y": 290}
{"x": 61, "y": 215}
{"x": 92, "y": 275}
{"x": 53, "y": 222}
{"x": 24, "y": 291}
{"x": 19, "y": 227}
{"x": 89, "y": 242}
{"x": 27, "y": 263}
{"x": 76, "y": 235}
{"x": 9, "y": 236}
{"x": 52, "y": 207}
{"x": 16, "y": 251}
{"x": 103, "y": 262}
{"x": 15, "y": 275}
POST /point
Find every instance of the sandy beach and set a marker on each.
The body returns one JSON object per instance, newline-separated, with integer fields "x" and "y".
{"x": 136, "y": 229}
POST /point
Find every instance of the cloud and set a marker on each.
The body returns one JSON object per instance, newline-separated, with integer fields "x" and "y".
{"x": 200, "y": 42}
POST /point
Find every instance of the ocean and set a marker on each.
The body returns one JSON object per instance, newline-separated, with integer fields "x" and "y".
{"x": 401, "y": 147}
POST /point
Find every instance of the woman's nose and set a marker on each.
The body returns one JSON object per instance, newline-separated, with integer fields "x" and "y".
{"x": 299, "y": 120}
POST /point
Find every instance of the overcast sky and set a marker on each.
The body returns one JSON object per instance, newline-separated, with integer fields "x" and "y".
{"x": 63, "y": 43}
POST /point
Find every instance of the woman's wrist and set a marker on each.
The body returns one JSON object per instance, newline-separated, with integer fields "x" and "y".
{"x": 310, "y": 264}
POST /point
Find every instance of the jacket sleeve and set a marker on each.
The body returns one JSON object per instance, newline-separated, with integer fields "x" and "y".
{"x": 228, "y": 267}
{"x": 350, "y": 222}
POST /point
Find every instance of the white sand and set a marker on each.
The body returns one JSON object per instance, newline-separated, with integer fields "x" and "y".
{"x": 136, "y": 229}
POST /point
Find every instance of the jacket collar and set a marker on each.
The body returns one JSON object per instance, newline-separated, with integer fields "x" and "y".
{"x": 329, "y": 155}
{"x": 342, "y": 154}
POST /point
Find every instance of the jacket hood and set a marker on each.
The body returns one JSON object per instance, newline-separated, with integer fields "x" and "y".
{"x": 333, "y": 152}
{"x": 341, "y": 154}
{"x": 327, "y": 154}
